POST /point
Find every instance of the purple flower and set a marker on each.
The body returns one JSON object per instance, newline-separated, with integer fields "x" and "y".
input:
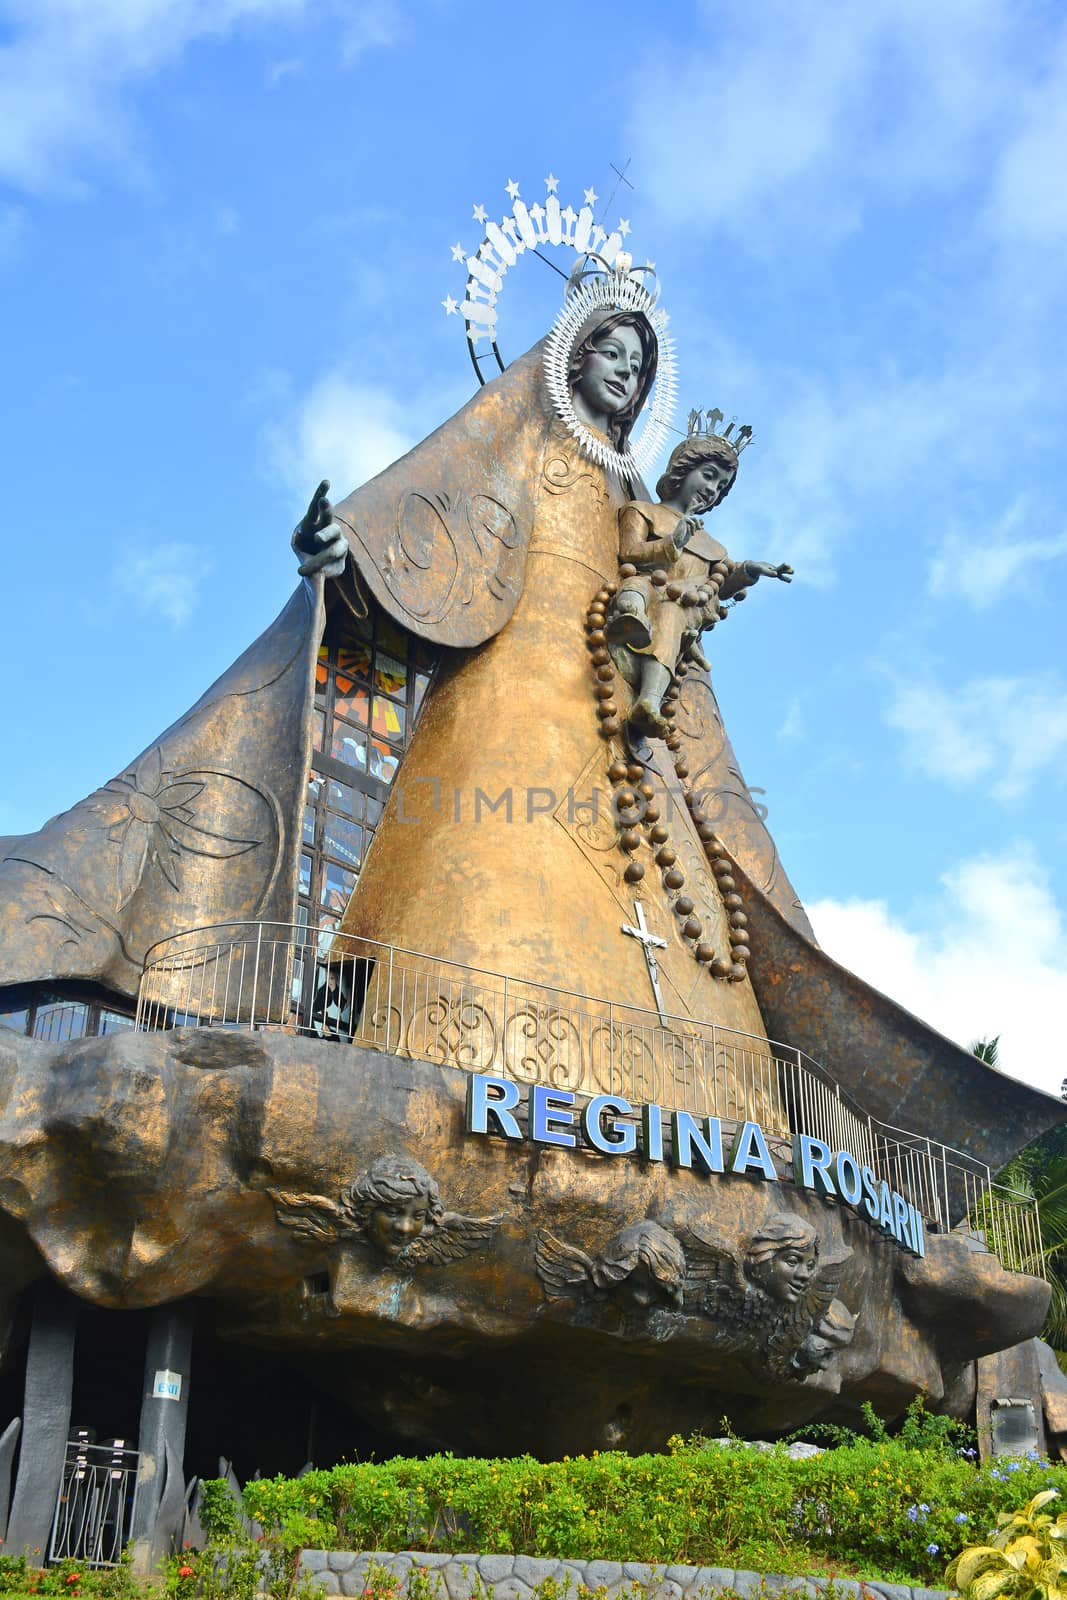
{"x": 932, "y": 1549}
{"x": 923, "y": 1506}
{"x": 961, "y": 1516}
{"x": 913, "y": 1513}
{"x": 1015, "y": 1466}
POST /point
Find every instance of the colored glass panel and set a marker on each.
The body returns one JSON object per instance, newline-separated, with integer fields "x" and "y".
{"x": 348, "y": 745}
{"x": 337, "y": 886}
{"x": 389, "y": 719}
{"x": 342, "y": 797}
{"x": 383, "y": 761}
{"x": 305, "y": 874}
{"x": 309, "y": 826}
{"x": 389, "y": 674}
{"x": 344, "y": 840}
{"x": 422, "y": 680}
{"x": 317, "y": 729}
{"x": 374, "y": 810}
{"x": 352, "y": 705}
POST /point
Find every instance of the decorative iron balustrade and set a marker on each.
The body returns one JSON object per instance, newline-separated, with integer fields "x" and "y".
{"x": 332, "y": 985}
{"x": 95, "y": 1506}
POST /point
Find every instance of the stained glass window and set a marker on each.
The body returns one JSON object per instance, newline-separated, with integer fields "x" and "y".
{"x": 371, "y": 680}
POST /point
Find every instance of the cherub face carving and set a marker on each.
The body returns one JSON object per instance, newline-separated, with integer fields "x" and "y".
{"x": 392, "y": 1227}
{"x": 783, "y": 1257}
{"x": 787, "y": 1275}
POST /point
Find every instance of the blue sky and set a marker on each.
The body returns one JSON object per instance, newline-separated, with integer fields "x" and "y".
{"x": 225, "y": 231}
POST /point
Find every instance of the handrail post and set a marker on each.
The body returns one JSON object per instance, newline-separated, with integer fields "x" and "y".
{"x": 944, "y": 1172}
{"x": 389, "y": 1002}
{"x": 504, "y": 1030}
{"x": 611, "y": 1041}
{"x": 255, "y": 978}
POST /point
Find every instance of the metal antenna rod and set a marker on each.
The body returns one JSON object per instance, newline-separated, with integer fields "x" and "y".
{"x": 620, "y": 177}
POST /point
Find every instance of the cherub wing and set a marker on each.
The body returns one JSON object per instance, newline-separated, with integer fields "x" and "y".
{"x": 314, "y": 1218}
{"x": 713, "y": 1272}
{"x": 827, "y": 1281}
{"x": 454, "y": 1237}
{"x": 563, "y": 1269}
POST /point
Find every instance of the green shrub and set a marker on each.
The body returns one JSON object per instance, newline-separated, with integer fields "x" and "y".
{"x": 872, "y": 1508}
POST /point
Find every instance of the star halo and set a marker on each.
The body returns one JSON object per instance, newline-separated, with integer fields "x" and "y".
{"x": 529, "y": 228}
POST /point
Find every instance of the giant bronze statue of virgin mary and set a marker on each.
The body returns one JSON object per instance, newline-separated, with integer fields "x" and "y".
{"x": 469, "y": 805}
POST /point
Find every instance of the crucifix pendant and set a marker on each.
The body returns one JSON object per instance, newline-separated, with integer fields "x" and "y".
{"x": 649, "y": 944}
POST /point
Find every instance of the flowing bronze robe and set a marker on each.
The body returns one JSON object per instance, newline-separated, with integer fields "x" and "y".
{"x": 488, "y": 538}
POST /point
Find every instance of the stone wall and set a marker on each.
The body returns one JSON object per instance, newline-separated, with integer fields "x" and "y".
{"x": 341, "y": 1572}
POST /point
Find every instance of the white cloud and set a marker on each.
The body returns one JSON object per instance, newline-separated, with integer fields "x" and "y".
{"x": 992, "y": 959}
{"x": 164, "y": 582}
{"x": 371, "y": 25}
{"x": 1005, "y": 732}
{"x": 68, "y": 69}
{"x": 1029, "y": 197}
{"x": 291, "y": 67}
{"x": 822, "y": 102}
{"x": 342, "y": 430}
{"x": 68, "y": 62}
{"x": 980, "y": 566}
{"x": 832, "y": 446}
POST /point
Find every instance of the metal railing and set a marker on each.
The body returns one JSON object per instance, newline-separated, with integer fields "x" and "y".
{"x": 95, "y": 1506}
{"x": 333, "y": 985}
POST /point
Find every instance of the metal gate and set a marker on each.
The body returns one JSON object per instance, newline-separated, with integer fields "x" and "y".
{"x": 96, "y": 1502}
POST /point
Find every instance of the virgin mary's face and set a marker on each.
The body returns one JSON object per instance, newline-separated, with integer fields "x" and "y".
{"x": 610, "y": 372}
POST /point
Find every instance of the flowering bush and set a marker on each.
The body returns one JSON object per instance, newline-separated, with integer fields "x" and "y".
{"x": 1026, "y": 1558}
